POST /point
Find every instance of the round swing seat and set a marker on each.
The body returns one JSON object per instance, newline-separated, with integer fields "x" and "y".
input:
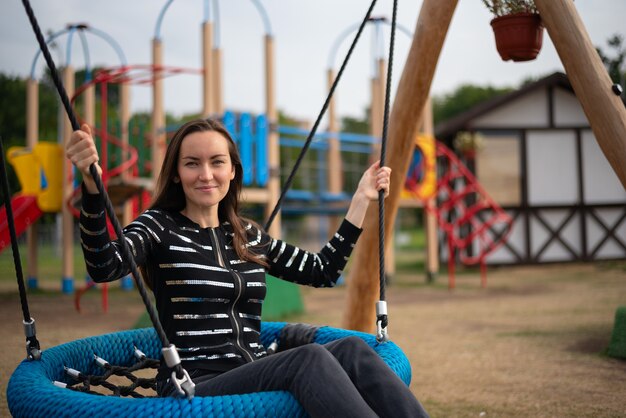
{"x": 31, "y": 392}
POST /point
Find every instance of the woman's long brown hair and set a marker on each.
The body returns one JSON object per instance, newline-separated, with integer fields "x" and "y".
{"x": 170, "y": 196}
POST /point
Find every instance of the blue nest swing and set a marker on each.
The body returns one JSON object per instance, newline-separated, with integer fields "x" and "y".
{"x": 31, "y": 392}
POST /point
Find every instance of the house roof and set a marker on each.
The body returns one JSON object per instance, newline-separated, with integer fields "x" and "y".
{"x": 459, "y": 122}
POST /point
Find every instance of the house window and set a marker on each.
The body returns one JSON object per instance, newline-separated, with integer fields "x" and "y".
{"x": 498, "y": 168}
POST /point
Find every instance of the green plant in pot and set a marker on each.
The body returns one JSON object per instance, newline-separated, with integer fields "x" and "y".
{"x": 517, "y": 28}
{"x": 468, "y": 143}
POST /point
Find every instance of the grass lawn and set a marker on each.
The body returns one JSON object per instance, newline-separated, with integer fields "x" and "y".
{"x": 49, "y": 265}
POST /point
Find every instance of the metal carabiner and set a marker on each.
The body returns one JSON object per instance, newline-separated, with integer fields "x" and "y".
{"x": 185, "y": 386}
{"x": 381, "y": 333}
{"x": 33, "y": 351}
{"x": 381, "y": 314}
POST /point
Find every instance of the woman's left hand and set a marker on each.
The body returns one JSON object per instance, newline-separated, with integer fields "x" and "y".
{"x": 374, "y": 179}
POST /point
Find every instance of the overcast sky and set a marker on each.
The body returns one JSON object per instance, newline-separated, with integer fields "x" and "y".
{"x": 304, "y": 32}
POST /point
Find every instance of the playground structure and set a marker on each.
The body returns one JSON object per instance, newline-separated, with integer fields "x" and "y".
{"x": 155, "y": 73}
{"x": 468, "y": 216}
{"x": 123, "y": 166}
{"x": 39, "y": 174}
{"x": 32, "y": 128}
{"x": 259, "y": 144}
{"x": 124, "y": 75}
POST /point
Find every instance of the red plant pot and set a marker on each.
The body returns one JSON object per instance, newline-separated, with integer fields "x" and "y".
{"x": 518, "y": 36}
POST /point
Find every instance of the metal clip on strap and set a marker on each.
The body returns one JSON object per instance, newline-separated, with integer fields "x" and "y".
{"x": 381, "y": 318}
{"x": 273, "y": 347}
{"x": 184, "y": 386}
{"x": 33, "y": 351}
{"x": 139, "y": 354}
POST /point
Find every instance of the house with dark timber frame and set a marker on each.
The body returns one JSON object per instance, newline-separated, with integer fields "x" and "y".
{"x": 541, "y": 163}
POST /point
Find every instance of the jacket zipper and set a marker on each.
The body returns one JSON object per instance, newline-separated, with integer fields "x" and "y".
{"x": 238, "y": 288}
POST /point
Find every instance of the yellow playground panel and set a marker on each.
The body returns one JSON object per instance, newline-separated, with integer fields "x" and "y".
{"x": 427, "y": 187}
{"x": 40, "y": 173}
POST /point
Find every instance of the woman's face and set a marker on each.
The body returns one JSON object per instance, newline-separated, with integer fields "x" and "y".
{"x": 204, "y": 170}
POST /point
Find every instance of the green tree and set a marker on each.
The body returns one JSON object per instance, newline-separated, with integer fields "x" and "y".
{"x": 13, "y": 118}
{"x": 356, "y": 125}
{"x": 13, "y": 111}
{"x": 615, "y": 63}
{"x": 463, "y": 98}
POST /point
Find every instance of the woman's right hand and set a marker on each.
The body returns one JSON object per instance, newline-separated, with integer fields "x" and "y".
{"x": 81, "y": 151}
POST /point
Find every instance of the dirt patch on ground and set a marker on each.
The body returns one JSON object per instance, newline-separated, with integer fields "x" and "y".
{"x": 530, "y": 344}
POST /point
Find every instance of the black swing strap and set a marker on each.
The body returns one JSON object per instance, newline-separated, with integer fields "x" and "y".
{"x": 179, "y": 376}
{"x": 381, "y": 305}
{"x": 33, "y": 350}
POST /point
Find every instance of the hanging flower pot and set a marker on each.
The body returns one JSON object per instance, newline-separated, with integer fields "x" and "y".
{"x": 518, "y": 36}
{"x": 468, "y": 143}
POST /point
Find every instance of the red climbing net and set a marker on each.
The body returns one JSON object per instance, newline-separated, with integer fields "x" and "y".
{"x": 473, "y": 223}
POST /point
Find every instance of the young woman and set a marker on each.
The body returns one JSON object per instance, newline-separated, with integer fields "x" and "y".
{"x": 206, "y": 266}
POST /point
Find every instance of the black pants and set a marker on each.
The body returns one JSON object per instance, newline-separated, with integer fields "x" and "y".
{"x": 344, "y": 378}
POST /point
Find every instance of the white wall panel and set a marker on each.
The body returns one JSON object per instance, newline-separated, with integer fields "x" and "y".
{"x": 530, "y": 110}
{"x": 567, "y": 109}
{"x": 552, "y": 168}
{"x": 600, "y": 182}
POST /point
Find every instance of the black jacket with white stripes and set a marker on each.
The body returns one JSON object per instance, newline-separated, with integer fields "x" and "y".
{"x": 209, "y": 301}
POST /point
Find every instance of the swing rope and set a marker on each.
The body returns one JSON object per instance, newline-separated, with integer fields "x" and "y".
{"x": 33, "y": 349}
{"x": 381, "y": 305}
{"x": 180, "y": 377}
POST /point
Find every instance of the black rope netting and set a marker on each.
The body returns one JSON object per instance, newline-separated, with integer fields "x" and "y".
{"x": 86, "y": 383}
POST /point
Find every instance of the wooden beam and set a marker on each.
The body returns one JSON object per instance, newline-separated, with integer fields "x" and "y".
{"x": 430, "y": 217}
{"x": 413, "y": 91}
{"x": 589, "y": 78}
{"x": 67, "y": 218}
{"x": 334, "y": 170}
{"x": 273, "y": 145}
{"x": 159, "y": 142}
{"x": 208, "y": 107}
{"x": 32, "y": 137}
